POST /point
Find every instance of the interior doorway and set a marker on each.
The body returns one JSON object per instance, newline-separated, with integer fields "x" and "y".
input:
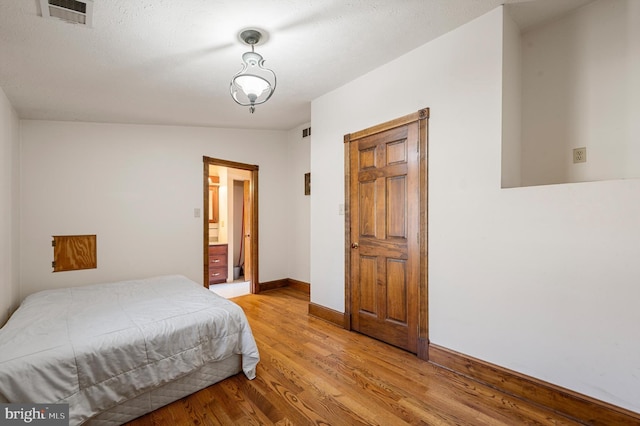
{"x": 230, "y": 222}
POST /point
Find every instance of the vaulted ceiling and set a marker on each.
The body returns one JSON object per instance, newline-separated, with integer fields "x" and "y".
{"x": 170, "y": 61}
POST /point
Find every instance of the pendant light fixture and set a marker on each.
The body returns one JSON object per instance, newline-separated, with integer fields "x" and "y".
{"x": 253, "y": 84}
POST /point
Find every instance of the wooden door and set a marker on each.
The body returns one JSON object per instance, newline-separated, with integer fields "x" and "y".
{"x": 385, "y": 228}
{"x": 247, "y": 230}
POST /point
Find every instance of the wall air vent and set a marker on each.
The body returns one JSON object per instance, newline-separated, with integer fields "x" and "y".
{"x": 72, "y": 11}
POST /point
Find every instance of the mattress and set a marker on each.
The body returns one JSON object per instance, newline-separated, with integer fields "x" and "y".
{"x": 100, "y": 346}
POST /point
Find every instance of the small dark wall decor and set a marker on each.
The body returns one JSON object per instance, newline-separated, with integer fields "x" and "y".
{"x": 307, "y": 184}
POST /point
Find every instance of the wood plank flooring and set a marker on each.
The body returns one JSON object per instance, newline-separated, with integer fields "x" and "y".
{"x": 314, "y": 373}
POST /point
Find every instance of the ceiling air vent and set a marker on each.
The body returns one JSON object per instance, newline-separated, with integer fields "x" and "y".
{"x": 72, "y": 11}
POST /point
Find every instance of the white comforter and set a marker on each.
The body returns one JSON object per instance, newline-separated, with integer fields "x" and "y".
{"x": 97, "y": 345}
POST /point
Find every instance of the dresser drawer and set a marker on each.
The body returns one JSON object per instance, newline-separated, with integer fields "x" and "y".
{"x": 217, "y": 260}
{"x": 218, "y": 249}
{"x": 217, "y": 275}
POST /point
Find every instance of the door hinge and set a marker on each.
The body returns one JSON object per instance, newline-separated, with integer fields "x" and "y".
{"x": 53, "y": 243}
{"x": 53, "y": 264}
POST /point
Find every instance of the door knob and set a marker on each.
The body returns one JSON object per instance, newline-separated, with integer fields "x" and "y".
{"x": 355, "y": 245}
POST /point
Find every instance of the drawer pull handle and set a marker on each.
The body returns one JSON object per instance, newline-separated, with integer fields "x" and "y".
{"x": 216, "y": 260}
{"x": 216, "y": 274}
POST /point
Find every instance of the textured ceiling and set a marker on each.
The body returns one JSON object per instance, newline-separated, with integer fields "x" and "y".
{"x": 170, "y": 62}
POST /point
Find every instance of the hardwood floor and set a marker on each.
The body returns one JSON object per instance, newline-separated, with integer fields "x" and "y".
{"x": 314, "y": 373}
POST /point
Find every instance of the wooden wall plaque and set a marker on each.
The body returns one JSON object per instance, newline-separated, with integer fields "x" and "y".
{"x": 74, "y": 252}
{"x": 307, "y": 184}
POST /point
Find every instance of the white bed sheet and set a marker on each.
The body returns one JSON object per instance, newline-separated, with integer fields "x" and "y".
{"x": 205, "y": 376}
{"x": 97, "y": 346}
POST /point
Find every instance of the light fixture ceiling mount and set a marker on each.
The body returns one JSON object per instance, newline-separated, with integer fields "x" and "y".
{"x": 250, "y": 37}
{"x": 253, "y": 84}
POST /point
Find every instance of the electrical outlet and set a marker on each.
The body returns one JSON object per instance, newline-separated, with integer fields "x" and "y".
{"x": 580, "y": 155}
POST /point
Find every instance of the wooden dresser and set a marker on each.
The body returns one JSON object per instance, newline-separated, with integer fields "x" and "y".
{"x": 218, "y": 270}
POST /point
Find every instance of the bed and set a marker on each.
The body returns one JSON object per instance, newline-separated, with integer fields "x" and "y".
{"x": 116, "y": 351}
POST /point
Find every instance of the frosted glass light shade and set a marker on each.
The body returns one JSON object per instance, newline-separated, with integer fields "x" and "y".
{"x": 253, "y": 84}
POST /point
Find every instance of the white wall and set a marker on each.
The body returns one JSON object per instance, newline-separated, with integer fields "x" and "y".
{"x": 581, "y": 88}
{"x": 542, "y": 280}
{"x": 298, "y": 230}
{"x": 10, "y": 208}
{"x": 136, "y": 187}
{"x": 511, "y": 105}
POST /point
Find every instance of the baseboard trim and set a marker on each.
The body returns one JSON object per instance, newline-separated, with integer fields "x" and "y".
{"x": 579, "y": 407}
{"x": 299, "y": 285}
{"x": 327, "y": 314}
{"x": 285, "y": 282}
{"x": 272, "y": 285}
